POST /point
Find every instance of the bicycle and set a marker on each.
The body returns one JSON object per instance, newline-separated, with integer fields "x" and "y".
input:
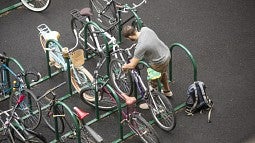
{"x": 15, "y": 85}
{"x": 36, "y": 5}
{"x": 91, "y": 38}
{"x": 108, "y": 13}
{"x": 57, "y": 111}
{"x": 106, "y": 101}
{"x": 160, "y": 107}
{"x": 49, "y": 41}
{"x": 13, "y": 128}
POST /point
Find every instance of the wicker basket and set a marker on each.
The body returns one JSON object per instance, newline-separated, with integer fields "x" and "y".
{"x": 77, "y": 58}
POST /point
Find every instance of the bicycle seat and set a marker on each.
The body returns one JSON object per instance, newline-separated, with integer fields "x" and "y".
{"x": 81, "y": 114}
{"x": 86, "y": 12}
{"x": 152, "y": 74}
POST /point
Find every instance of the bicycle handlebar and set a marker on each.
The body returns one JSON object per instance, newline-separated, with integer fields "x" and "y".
{"x": 125, "y": 7}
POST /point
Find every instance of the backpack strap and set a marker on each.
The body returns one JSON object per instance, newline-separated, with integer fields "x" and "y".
{"x": 203, "y": 92}
{"x": 207, "y": 101}
{"x": 196, "y": 98}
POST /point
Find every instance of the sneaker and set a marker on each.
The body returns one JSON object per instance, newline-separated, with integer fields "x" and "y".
{"x": 144, "y": 106}
{"x": 168, "y": 93}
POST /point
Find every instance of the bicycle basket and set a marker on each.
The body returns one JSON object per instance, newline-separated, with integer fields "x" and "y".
{"x": 77, "y": 58}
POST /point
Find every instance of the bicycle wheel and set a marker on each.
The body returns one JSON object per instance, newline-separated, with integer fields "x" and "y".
{"x": 106, "y": 15}
{"x": 70, "y": 122}
{"x": 143, "y": 129}
{"x": 81, "y": 78}
{"x": 105, "y": 99}
{"x": 36, "y": 5}
{"x": 162, "y": 111}
{"x": 47, "y": 115}
{"x": 122, "y": 81}
{"x": 29, "y": 109}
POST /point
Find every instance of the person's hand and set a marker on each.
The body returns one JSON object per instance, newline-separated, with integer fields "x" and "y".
{"x": 124, "y": 68}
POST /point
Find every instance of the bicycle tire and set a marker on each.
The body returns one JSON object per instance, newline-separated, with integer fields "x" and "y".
{"x": 105, "y": 17}
{"x": 47, "y": 115}
{"x": 55, "y": 57}
{"x": 166, "y": 117}
{"x": 143, "y": 129}
{"x": 105, "y": 99}
{"x": 36, "y": 5}
{"x": 30, "y": 113}
{"x": 70, "y": 122}
{"x": 121, "y": 81}
{"x": 82, "y": 79}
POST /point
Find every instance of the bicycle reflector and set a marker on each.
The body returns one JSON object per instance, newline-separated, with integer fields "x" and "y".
{"x": 21, "y": 98}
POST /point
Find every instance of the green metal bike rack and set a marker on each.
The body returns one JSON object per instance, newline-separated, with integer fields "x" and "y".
{"x": 190, "y": 56}
{"x": 10, "y": 59}
{"x": 74, "y": 119}
{"x": 11, "y": 7}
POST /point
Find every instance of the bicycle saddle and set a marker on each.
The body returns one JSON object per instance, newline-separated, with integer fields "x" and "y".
{"x": 86, "y": 12}
{"x": 81, "y": 114}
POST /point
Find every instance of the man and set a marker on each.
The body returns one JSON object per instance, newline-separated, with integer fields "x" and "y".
{"x": 152, "y": 49}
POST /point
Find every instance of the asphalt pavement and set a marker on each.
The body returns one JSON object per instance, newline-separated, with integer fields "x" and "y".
{"x": 220, "y": 34}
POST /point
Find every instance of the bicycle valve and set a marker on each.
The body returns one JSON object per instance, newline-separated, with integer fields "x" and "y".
{"x": 65, "y": 52}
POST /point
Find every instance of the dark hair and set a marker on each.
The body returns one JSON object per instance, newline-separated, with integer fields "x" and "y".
{"x": 128, "y": 31}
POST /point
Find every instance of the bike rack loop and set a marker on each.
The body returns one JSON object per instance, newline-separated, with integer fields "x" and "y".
{"x": 190, "y": 56}
{"x": 108, "y": 57}
{"x": 74, "y": 119}
{"x": 10, "y": 7}
{"x": 10, "y": 59}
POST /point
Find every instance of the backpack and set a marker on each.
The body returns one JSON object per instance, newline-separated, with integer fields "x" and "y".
{"x": 197, "y": 100}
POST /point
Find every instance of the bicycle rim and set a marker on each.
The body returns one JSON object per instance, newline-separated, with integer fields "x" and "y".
{"x": 81, "y": 78}
{"x": 121, "y": 81}
{"x": 36, "y": 5}
{"x": 70, "y": 122}
{"x": 47, "y": 115}
{"x": 165, "y": 115}
{"x": 144, "y": 130}
{"x": 104, "y": 16}
{"x": 29, "y": 109}
{"x": 105, "y": 99}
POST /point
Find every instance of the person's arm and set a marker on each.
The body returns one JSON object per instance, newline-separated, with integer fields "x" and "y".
{"x": 133, "y": 62}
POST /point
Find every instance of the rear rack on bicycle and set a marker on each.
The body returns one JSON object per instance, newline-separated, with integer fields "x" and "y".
{"x": 76, "y": 13}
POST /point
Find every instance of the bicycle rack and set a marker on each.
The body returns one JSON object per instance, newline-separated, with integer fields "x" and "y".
{"x": 190, "y": 56}
{"x": 11, "y": 7}
{"x": 10, "y": 59}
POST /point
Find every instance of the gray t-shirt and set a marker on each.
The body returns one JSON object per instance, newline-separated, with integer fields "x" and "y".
{"x": 151, "y": 48}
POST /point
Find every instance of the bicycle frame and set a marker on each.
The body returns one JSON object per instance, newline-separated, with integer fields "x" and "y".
{"x": 13, "y": 121}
